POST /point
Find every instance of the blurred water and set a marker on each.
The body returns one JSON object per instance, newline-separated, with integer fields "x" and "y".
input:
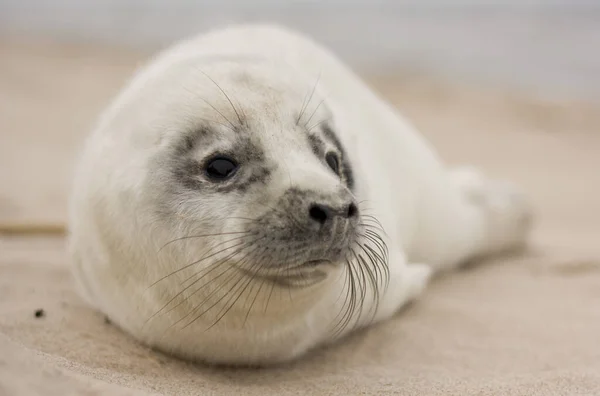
{"x": 549, "y": 47}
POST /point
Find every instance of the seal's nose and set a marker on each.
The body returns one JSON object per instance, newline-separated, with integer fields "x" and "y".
{"x": 323, "y": 214}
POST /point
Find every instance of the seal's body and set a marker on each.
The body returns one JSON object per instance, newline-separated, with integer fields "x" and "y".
{"x": 247, "y": 198}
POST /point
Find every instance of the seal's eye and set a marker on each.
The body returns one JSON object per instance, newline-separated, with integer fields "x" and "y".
{"x": 221, "y": 168}
{"x": 332, "y": 161}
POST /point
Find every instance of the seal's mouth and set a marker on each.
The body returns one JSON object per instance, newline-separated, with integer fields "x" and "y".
{"x": 310, "y": 265}
{"x": 301, "y": 278}
{"x": 315, "y": 263}
{"x": 301, "y": 275}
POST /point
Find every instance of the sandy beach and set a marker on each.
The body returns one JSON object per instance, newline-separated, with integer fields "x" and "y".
{"x": 527, "y": 325}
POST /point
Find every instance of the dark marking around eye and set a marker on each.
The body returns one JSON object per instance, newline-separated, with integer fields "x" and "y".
{"x": 242, "y": 167}
{"x": 316, "y": 145}
{"x": 188, "y": 141}
{"x": 318, "y": 148}
{"x": 185, "y": 172}
{"x": 347, "y": 173}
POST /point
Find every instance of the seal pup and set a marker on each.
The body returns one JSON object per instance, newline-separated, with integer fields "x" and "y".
{"x": 247, "y": 198}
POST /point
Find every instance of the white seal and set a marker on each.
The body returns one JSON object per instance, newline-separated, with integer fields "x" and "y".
{"x": 247, "y": 198}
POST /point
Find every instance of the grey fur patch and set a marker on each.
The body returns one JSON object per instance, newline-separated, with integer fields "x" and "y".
{"x": 189, "y": 140}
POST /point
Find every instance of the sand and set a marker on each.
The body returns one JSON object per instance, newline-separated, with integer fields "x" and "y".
{"x": 527, "y": 325}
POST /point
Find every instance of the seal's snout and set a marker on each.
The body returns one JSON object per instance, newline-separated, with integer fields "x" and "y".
{"x": 323, "y": 213}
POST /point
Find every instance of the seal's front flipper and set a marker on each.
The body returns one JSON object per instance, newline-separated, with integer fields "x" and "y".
{"x": 417, "y": 278}
{"x": 406, "y": 283}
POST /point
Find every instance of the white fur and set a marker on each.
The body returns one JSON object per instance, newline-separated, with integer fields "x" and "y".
{"x": 431, "y": 214}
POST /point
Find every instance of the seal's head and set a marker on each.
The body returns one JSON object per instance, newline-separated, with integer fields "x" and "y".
{"x": 256, "y": 165}
{"x": 209, "y": 184}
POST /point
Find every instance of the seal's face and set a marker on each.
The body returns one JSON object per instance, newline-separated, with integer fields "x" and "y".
{"x": 210, "y": 184}
{"x": 258, "y": 178}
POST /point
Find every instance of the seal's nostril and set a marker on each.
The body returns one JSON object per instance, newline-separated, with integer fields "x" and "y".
{"x": 318, "y": 213}
{"x": 323, "y": 213}
{"x": 352, "y": 210}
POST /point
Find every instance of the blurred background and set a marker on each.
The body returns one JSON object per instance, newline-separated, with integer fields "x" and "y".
{"x": 511, "y": 86}
{"x": 548, "y": 45}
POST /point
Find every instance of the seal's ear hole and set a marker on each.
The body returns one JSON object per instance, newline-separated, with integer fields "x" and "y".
{"x": 220, "y": 168}
{"x": 333, "y": 162}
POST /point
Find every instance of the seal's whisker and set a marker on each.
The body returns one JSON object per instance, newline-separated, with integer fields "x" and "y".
{"x": 216, "y": 122}
{"x": 305, "y": 105}
{"x": 182, "y": 217}
{"x": 368, "y": 216}
{"x": 301, "y": 112}
{"x": 190, "y": 265}
{"x": 317, "y": 124}
{"x": 343, "y": 289}
{"x": 375, "y": 262}
{"x": 368, "y": 223}
{"x": 349, "y": 305}
{"x": 366, "y": 212}
{"x": 375, "y": 230}
{"x": 232, "y": 125}
{"x": 372, "y": 222}
{"x": 314, "y": 112}
{"x": 202, "y": 236}
{"x": 362, "y": 205}
{"x": 199, "y": 306}
{"x": 367, "y": 273}
{"x": 279, "y": 271}
{"x": 240, "y": 218}
{"x": 226, "y": 308}
{"x": 257, "y": 292}
{"x": 226, "y": 96}
{"x": 373, "y": 236}
{"x": 244, "y": 245}
{"x": 372, "y": 279}
{"x": 382, "y": 255}
{"x": 350, "y": 298}
{"x": 239, "y": 279}
{"x": 243, "y": 288}
{"x": 380, "y": 262}
{"x": 373, "y": 271}
{"x": 269, "y": 296}
{"x": 376, "y": 239}
{"x": 361, "y": 282}
{"x": 210, "y": 269}
{"x": 229, "y": 268}
{"x": 221, "y": 114}
{"x": 287, "y": 271}
{"x": 183, "y": 291}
